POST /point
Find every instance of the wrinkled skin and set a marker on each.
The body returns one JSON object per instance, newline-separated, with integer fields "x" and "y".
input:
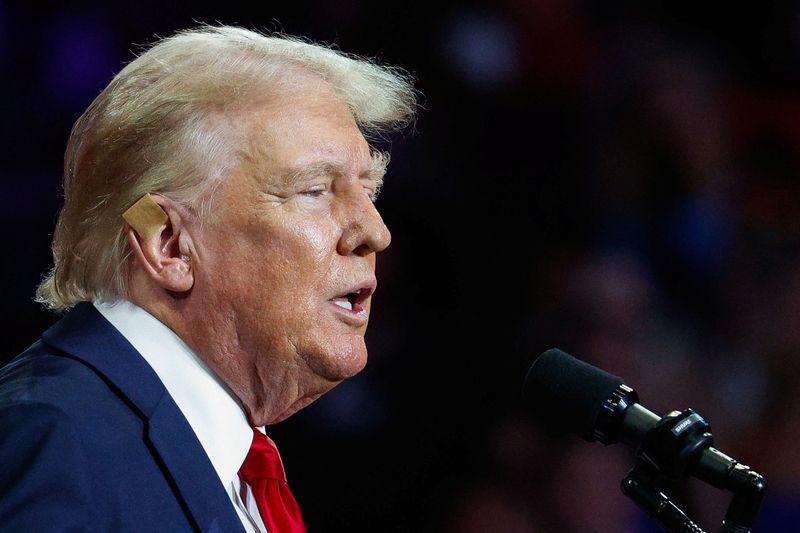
{"x": 293, "y": 227}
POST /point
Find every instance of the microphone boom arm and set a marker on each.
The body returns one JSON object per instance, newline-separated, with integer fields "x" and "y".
{"x": 677, "y": 446}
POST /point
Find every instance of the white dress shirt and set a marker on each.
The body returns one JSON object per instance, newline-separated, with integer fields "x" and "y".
{"x": 211, "y": 409}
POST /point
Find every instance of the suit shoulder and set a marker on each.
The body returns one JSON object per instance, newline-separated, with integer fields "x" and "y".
{"x": 42, "y": 455}
{"x": 57, "y": 392}
{"x": 46, "y": 376}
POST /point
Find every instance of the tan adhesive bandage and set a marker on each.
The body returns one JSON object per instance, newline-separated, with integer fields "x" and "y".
{"x": 145, "y": 217}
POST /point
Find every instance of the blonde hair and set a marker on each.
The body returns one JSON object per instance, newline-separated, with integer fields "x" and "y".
{"x": 160, "y": 127}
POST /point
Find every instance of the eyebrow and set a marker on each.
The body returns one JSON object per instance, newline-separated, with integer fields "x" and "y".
{"x": 375, "y": 172}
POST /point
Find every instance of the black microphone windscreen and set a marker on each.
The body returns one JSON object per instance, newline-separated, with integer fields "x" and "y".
{"x": 567, "y": 393}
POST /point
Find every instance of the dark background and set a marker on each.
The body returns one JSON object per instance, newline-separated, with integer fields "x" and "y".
{"x": 614, "y": 179}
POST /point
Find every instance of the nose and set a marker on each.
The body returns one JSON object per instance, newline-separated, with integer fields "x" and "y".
{"x": 363, "y": 230}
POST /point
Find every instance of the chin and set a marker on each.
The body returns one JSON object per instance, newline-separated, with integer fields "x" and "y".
{"x": 342, "y": 358}
{"x": 347, "y": 369}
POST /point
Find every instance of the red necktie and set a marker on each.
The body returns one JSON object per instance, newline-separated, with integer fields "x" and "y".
{"x": 263, "y": 471}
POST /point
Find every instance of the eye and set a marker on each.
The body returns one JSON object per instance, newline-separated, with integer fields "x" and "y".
{"x": 315, "y": 191}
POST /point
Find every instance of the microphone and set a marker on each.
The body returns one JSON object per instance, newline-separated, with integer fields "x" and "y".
{"x": 570, "y": 395}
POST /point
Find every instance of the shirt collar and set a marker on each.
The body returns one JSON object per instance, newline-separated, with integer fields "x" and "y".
{"x": 212, "y": 411}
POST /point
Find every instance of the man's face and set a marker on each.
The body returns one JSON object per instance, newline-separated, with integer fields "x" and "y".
{"x": 286, "y": 262}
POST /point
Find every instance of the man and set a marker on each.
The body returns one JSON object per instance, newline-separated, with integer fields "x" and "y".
{"x": 217, "y": 250}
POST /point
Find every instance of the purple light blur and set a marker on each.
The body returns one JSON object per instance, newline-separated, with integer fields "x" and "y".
{"x": 81, "y": 59}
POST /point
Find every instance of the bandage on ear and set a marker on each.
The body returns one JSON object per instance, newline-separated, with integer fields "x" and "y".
{"x": 145, "y": 217}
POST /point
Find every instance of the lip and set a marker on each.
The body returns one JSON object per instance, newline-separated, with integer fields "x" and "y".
{"x": 358, "y": 315}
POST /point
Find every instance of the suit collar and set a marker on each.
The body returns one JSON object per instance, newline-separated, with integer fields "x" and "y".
{"x": 211, "y": 409}
{"x": 85, "y": 335}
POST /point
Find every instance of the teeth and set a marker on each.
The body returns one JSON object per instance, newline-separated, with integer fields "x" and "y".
{"x": 344, "y": 303}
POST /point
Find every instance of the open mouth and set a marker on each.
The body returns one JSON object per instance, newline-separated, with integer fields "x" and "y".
{"x": 352, "y": 301}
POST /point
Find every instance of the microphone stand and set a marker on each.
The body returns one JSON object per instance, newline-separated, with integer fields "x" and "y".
{"x": 670, "y": 450}
{"x": 639, "y": 485}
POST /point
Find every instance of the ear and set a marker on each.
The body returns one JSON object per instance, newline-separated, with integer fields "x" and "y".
{"x": 165, "y": 253}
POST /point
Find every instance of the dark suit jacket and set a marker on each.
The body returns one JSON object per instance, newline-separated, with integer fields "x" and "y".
{"x": 90, "y": 440}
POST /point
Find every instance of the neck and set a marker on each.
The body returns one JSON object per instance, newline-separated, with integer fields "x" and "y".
{"x": 209, "y": 330}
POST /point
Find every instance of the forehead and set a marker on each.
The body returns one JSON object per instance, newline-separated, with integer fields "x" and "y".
{"x": 304, "y": 127}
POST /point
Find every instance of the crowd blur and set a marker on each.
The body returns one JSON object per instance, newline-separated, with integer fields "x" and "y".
{"x": 618, "y": 179}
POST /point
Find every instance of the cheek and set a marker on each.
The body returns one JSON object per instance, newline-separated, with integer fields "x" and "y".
{"x": 319, "y": 238}
{"x": 280, "y": 278}
{"x": 302, "y": 258}
{"x": 285, "y": 257}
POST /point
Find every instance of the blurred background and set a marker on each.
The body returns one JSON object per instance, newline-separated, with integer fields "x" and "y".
{"x": 618, "y": 179}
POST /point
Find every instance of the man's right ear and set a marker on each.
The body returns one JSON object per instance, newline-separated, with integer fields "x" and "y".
{"x": 161, "y": 243}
